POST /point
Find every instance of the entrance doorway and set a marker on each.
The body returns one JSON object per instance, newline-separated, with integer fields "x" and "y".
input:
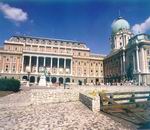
{"x": 97, "y": 81}
{"x": 54, "y": 79}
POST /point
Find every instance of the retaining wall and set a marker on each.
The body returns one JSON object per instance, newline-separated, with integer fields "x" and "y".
{"x": 39, "y": 96}
{"x": 92, "y": 103}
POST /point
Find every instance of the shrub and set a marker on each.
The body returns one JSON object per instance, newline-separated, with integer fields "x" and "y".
{"x": 9, "y": 85}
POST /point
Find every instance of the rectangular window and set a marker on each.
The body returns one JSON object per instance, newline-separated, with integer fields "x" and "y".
{"x": 149, "y": 65}
{"x": 148, "y": 52}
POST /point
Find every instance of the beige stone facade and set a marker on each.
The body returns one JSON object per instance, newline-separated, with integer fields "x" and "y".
{"x": 64, "y": 60}
{"x": 129, "y": 57}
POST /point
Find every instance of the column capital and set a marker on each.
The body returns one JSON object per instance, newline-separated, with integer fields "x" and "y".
{"x": 137, "y": 48}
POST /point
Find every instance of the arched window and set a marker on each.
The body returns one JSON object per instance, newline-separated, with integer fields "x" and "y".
{"x": 67, "y": 80}
{"x": 61, "y": 80}
{"x": 32, "y": 79}
{"x": 54, "y": 79}
{"x": 24, "y": 77}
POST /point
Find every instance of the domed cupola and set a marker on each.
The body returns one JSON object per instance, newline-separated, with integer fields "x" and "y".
{"x": 120, "y": 24}
{"x": 121, "y": 33}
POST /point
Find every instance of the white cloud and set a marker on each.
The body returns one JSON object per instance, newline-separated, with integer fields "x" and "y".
{"x": 13, "y": 13}
{"x": 142, "y": 28}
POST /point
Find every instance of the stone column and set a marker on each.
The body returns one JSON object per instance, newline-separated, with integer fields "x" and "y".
{"x": 37, "y": 64}
{"x": 30, "y": 62}
{"x": 71, "y": 66}
{"x": 36, "y": 80}
{"x": 121, "y": 64}
{"x": 138, "y": 66}
{"x": 22, "y": 69}
{"x": 58, "y": 63}
{"x": 64, "y": 66}
{"x": 124, "y": 67}
{"x": 58, "y": 66}
{"x": 142, "y": 60}
{"x": 65, "y": 63}
{"x": 44, "y": 61}
{"x": 123, "y": 41}
{"x": 133, "y": 55}
{"x": 146, "y": 62}
{"x": 137, "y": 59}
{"x": 51, "y": 63}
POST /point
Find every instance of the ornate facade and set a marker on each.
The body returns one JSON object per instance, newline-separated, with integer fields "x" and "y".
{"x": 64, "y": 60}
{"x": 129, "y": 57}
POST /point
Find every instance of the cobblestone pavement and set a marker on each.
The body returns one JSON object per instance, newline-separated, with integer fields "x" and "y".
{"x": 60, "y": 116}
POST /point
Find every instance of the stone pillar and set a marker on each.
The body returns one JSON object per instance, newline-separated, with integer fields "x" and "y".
{"x": 71, "y": 66}
{"x": 64, "y": 66}
{"x": 121, "y": 65}
{"x": 138, "y": 66}
{"x": 124, "y": 63}
{"x": 22, "y": 69}
{"x": 30, "y": 62}
{"x": 58, "y": 63}
{"x": 51, "y": 62}
{"x": 123, "y": 40}
{"x": 64, "y": 63}
{"x": 137, "y": 59}
{"x": 36, "y": 80}
{"x": 37, "y": 64}
{"x": 58, "y": 66}
{"x": 142, "y": 60}
{"x": 133, "y": 55}
{"x": 44, "y": 61}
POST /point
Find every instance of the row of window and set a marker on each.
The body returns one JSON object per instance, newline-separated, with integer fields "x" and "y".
{"x": 85, "y": 63}
{"x": 13, "y": 48}
{"x": 92, "y": 81}
{"x": 49, "y": 42}
{"x": 122, "y": 37}
{"x": 13, "y": 69}
{"x": 11, "y": 58}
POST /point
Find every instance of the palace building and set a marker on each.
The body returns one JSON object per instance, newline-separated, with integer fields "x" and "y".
{"x": 25, "y": 57}
{"x": 129, "y": 58}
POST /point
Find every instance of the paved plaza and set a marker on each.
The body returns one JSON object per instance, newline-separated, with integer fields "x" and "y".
{"x": 60, "y": 116}
{"x": 53, "y": 116}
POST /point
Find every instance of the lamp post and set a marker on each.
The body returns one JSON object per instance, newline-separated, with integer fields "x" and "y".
{"x": 28, "y": 73}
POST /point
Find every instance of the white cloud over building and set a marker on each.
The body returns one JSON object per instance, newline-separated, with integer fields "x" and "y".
{"x": 13, "y": 13}
{"x": 142, "y": 27}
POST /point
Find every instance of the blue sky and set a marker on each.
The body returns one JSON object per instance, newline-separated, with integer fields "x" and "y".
{"x": 88, "y": 21}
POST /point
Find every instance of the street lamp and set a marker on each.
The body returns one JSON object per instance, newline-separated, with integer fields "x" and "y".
{"x": 28, "y": 70}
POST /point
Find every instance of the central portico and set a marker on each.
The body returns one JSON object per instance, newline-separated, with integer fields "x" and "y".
{"x": 58, "y": 67}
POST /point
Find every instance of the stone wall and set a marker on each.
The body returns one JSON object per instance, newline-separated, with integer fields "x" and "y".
{"x": 91, "y": 103}
{"x": 39, "y": 96}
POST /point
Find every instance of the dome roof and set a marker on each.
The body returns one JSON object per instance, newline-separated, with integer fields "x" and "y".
{"x": 120, "y": 24}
